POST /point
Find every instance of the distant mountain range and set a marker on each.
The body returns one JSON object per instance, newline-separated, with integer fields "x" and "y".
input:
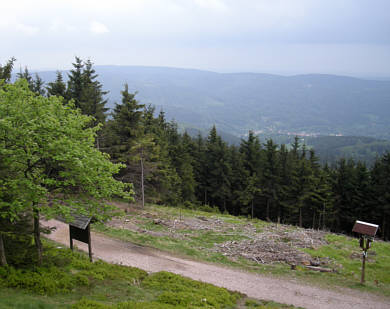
{"x": 267, "y": 104}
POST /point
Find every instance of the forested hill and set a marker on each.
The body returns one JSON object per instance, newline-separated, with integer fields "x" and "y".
{"x": 330, "y": 149}
{"x": 236, "y": 103}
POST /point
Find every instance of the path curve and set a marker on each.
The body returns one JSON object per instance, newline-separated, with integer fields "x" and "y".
{"x": 254, "y": 285}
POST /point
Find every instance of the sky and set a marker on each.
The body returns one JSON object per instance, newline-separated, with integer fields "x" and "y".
{"x": 346, "y": 37}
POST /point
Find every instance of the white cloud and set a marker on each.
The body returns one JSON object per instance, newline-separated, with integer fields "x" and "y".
{"x": 58, "y": 25}
{"x": 98, "y": 28}
{"x": 211, "y": 4}
{"x": 26, "y": 29}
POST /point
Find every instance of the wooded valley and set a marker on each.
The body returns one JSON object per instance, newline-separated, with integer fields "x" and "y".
{"x": 149, "y": 156}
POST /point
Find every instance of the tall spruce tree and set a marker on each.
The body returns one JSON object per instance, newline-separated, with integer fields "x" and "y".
{"x": 219, "y": 170}
{"x": 6, "y": 70}
{"x": 92, "y": 96}
{"x": 381, "y": 187}
{"x": 58, "y": 87}
{"x": 251, "y": 153}
{"x": 200, "y": 169}
{"x": 344, "y": 191}
{"x": 75, "y": 83}
{"x": 184, "y": 168}
{"x": 241, "y": 200}
{"x": 125, "y": 129}
{"x": 271, "y": 177}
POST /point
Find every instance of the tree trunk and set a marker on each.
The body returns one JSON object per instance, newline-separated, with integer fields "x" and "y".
{"x": 300, "y": 216}
{"x": 37, "y": 236}
{"x": 319, "y": 221}
{"x": 97, "y": 143}
{"x": 384, "y": 226}
{"x": 3, "y": 260}
{"x": 267, "y": 212}
{"x": 142, "y": 180}
{"x": 314, "y": 220}
{"x": 323, "y": 218}
{"x": 252, "y": 208}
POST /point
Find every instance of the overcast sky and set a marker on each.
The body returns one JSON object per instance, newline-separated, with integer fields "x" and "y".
{"x": 350, "y": 37}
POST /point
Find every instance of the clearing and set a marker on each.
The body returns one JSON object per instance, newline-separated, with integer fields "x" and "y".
{"x": 230, "y": 244}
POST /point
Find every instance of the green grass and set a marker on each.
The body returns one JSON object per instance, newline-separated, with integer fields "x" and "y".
{"x": 198, "y": 245}
{"x": 68, "y": 280}
{"x": 266, "y": 305}
{"x": 346, "y": 254}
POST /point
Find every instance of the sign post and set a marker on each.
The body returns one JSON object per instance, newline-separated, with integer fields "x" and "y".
{"x": 80, "y": 229}
{"x": 367, "y": 233}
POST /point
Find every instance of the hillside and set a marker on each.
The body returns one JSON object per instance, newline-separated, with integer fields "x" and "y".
{"x": 255, "y": 245}
{"x": 330, "y": 149}
{"x": 236, "y": 103}
{"x": 359, "y": 148}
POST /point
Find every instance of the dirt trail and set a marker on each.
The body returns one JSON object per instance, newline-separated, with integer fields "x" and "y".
{"x": 253, "y": 285}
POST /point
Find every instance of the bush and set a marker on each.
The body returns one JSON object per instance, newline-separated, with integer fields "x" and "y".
{"x": 187, "y": 293}
{"x": 208, "y": 208}
{"x": 89, "y": 304}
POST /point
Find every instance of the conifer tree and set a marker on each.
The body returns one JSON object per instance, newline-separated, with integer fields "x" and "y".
{"x": 38, "y": 85}
{"x": 343, "y": 190}
{"x": 285, "y": 182}
{"x": 6, "y": 70}
{"x": 58, "y": 87}
{"x": 251, "y": 152}
{"x": 200, "y": 169}
{"x": 219, "y": 170}
{"x": 92, "y": 96}
{"x": 27, "y": 76}
{"x": 184, "y": 168}
{"x": 271, "y": 171}
{"x": 75, "y": 83}
{"x": 240, "y": 200}
{"x": 124, "y": 130}
{"x": 381, "y": 187}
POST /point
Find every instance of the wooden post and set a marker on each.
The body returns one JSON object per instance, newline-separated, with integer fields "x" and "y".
{"x": 3, "y": 259}
{"x": 366, "y": 246}
{"x": 70, "y": 240}
{"x": 363, "y": 266}
{"x": 142, "y": 179}
{"x": 89, "y": 242}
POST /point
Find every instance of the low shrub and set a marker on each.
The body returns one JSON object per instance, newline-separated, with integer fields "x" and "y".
{"x": 89, "y": 304}
{"x": 63, "y": 271}
{"x": 187, "y": 293}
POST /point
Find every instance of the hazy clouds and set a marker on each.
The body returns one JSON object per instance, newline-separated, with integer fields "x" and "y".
{"x": 290, "y": 36}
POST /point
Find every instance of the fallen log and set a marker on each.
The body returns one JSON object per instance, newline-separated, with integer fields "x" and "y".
{"x": 320, "y": 269}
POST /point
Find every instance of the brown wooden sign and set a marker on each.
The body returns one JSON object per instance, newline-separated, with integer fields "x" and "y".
{"x": 365, "y": 228}
{"x": 80, "y": 230}
{"x": 367, "y": 233}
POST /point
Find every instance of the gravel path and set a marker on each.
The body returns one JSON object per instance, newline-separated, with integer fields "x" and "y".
{"x": 253, "y": 285}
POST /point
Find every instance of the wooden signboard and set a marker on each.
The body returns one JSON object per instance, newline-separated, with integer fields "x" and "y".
{"x": 367, "y": 232}
{"x": 365, "y": 228}
{"x": 80, "y": 230}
